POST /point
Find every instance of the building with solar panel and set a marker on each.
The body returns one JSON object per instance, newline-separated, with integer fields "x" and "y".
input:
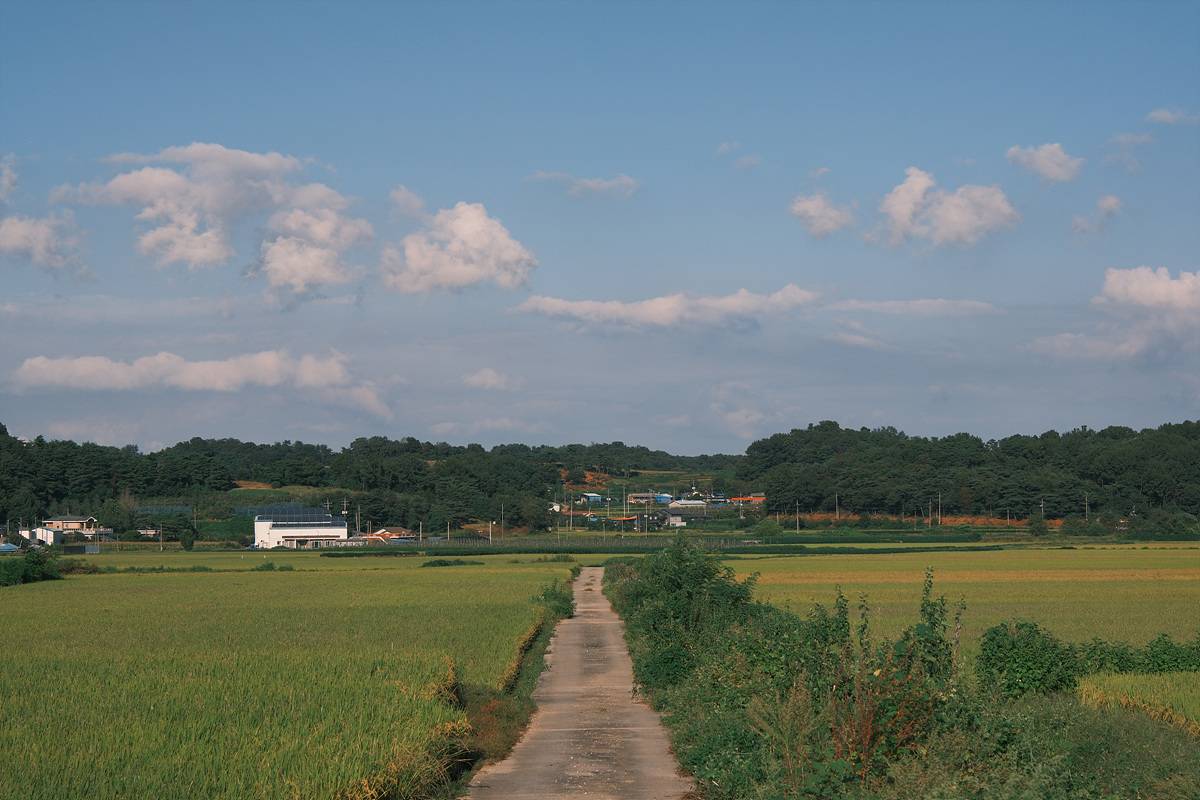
{"x": 300, "y": 528}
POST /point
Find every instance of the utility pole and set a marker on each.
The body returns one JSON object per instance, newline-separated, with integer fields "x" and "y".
{"x": 797, "y": 516}
{"x": 447, "y": 530}
{"x": 929, "y": 522}
{"x": 502, "y": 520}
{"x": 490, "y": 523}
{"x": 837, "y": 509}
{"x": 1043, "y": 506}
{"x": 420, "y": 532}
{"x": 1086, "y": 509}
{"x": 160, "y": 538}
{"x": 939, "y": 509}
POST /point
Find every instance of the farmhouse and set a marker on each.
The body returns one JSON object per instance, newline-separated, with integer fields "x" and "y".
{"x": 300, "y": 528}
{"x": 591, "y": 498}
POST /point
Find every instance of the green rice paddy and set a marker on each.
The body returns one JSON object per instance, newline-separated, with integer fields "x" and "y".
{"x": 1120, "y": 593}
{"x": 245, "y": 684}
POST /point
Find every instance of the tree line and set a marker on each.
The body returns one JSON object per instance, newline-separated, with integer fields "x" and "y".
{"x": 1114, "y": 472}
{"x": 1117, "y": 472}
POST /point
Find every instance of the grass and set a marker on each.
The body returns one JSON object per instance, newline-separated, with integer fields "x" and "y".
{"x": 254, "y": 684}
{"x": 1127, "y": 593}
{"x": 1172, "y": 697}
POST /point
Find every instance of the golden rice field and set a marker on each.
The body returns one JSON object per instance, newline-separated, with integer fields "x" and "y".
{"x": 1127, "y": 593}
{"x": 1172, "y": 697}
{"x": 245, "y": 684}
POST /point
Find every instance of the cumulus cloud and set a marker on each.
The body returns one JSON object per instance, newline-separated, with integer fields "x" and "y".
{"x": 674, "y": 309}
{"x": 1150, "y": 288}
{"x": 1173, "y": 116}
{"x": 620, "y": 185}
{"x": 488, "y": 378}
{"x": 406, "y": 202}
{"x": 924, "y": 307}
{"x": 1107, "y": 207}
{"x": 1049, "y": 161}
{"x": 307, "y": 254}
{"x": 917, "y": 209}
{"x": 459, "y": 247}
{"x": 1154, "y": 315}
{"x": 191, "y": 196}
{"x": 190, "y": 211}
{"x": 328, "y": 376}
{"x": 819, "y": 216}
{"x": 299, "y": 266}
{"x": 8, "y": 177}
{"x": 49, "y": 242}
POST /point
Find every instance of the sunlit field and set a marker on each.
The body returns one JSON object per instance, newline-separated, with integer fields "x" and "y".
{"x": 245, "y": 684}
{"x": 1125, "y": 593}
{"x": 1170, "y": 696}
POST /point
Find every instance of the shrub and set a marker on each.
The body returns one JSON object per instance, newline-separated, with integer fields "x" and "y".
{"x": 450, "y": 562}
{"x": 266, "y": 566}
{"x": 1020, "y": 657}
{"x": 557, "y": 598}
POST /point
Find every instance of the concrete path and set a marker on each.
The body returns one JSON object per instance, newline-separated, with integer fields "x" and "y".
{"x": 589, "y": 737}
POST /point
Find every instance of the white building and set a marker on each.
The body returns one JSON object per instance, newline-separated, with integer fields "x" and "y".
{"x": 300, "y": 529}
{"x": 47, "y": 536}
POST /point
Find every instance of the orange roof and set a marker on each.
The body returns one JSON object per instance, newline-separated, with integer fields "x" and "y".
{"x": 751, "y": 499}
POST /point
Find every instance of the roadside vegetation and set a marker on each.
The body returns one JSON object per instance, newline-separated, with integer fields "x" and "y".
{"x": 769, "y": 704}
{"x": 378, "y": 681}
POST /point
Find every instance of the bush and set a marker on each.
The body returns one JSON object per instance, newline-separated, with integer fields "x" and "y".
{"x": 557, "y": 598}
{"x": 1018, "y": 658}
{"x": 37, "y": 564}
{"x": 450, "y": 562}
{"x": 266, "y": 566}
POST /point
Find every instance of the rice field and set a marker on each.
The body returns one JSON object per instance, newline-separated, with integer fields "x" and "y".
{"x": 1119, "y": 593}
{"x": 1172, "y": 697}
{"x": 247, "y": 684}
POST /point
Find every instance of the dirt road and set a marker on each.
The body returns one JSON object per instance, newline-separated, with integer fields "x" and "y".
{"x": 589, "y": 738}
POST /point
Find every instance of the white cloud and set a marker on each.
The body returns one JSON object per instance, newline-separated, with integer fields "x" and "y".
{"x": 819, "y": 172}
{"x": 924, "y": 307}
{"x": 1048, "y": 160}
{"x": 1107, "y": 207}
{"x": 1151, "y": 288}
{"x": 725, "y": 148}
{"x": 191, "y": 211}
{"x": 917, "y": 209}
{"x": 1173, "y": 116}
{"x": 323, "y": 226}
{"x": 407, "y": 202}
{"x": 674, "y": 309}
{"x": 49, "y": 242}
{"x": 819, "y": 216}
{"x": 488, "y": 378}
{"x": 461, "y": 246}
{"x": 292, "y": 263}
{"x": 8, "y": 177}
{"x": 1155, "y": 316}
{"x": 194, "y": 195}
{"x": 328, "y": 377}
{"x": 620, "y": 185}
{"x": 749, "y": 161}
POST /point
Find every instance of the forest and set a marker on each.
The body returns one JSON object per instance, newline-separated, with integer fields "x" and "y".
{"x": 1116, "y": 472}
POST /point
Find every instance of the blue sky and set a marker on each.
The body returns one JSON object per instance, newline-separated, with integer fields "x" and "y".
{"x": 680, "y": 225}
